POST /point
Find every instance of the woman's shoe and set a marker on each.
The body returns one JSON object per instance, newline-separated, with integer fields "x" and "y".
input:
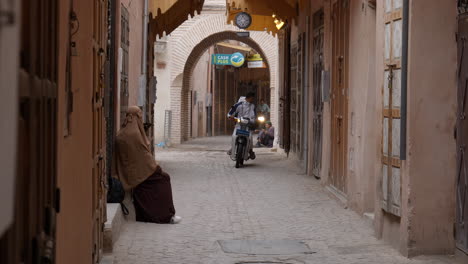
{"x": 176, "y": 219}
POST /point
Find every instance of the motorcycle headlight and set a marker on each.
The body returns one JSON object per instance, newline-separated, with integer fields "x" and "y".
{"x": 261, "y": 119}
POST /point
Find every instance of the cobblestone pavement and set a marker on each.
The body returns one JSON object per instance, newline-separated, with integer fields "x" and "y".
{"x": 267, "y": 200}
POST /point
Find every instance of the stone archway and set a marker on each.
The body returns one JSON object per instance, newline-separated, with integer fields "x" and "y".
{"x": 198, "y": 35}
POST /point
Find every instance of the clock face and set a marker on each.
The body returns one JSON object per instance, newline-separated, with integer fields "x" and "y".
{"x": 243, "y": 20}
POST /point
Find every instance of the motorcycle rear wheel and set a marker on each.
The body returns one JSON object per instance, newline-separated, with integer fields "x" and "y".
{"x": 239, "y": 156}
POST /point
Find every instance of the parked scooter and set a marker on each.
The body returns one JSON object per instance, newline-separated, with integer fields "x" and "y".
{"x": 240, "y": 152}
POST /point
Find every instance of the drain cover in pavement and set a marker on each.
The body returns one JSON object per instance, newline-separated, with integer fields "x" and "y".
{"x": 265, "y": 247}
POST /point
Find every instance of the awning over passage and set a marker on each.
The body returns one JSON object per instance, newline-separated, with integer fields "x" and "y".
{"x": 167, "y": 15}
{"x": 232, "y": 46}
{"x": 267, "y": 15}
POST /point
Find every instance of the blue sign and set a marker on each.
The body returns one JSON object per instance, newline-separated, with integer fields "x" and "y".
{"x": 237, "y": 59}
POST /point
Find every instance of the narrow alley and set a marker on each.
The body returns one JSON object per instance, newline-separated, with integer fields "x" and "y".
{"x": 117, "y": 118}
{"x": 267, "y": 201}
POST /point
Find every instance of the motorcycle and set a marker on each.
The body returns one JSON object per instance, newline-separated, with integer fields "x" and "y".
{"x": 240, "y": 152}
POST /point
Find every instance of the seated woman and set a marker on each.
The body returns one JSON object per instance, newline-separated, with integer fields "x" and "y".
{"x": 266, "y": 136}
{"x": 137, "y": 169}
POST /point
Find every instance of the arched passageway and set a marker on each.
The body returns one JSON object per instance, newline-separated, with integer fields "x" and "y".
{"x": 189, "y": 47}
{"x": 234, "y": 90}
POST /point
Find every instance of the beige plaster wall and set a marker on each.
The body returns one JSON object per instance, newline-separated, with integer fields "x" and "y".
{"x": 74, "y": 222}
{"x": 163, "y": 92}
{"x": 362, "y": 132}
{"x": 429, "y": 173}
{"x": 135, "y": 9}
{"x": 429, "y": 176}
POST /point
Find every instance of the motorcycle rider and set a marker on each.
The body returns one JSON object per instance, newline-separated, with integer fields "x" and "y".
{"x": 246, "y": 109}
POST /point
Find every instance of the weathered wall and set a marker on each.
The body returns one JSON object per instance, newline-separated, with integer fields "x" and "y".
{"x": 163, "y": 75}
{"x": 429, "y": 178}
{"x": 200, "y": 85}
{"x": 361, "y": 115}
{"x": 74, "y": 227}
{"x": 429, "y": 173}
{"x": 135, "y": 9}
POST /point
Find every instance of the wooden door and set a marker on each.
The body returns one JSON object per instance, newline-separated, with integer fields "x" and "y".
{"x": 317, "y": 103}
{"x": 99, "y": 127}
{"x": 31, "y": 238}
{"x": 461, "y": 225}
{"x": 339, "y": 94}
{"x": 391, "y": 117}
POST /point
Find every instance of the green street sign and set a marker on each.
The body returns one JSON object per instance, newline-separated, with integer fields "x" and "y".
{"x": 236, "y": 59}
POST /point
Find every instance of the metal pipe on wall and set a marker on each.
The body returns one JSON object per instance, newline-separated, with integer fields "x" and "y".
{"x": 404, "y": 80}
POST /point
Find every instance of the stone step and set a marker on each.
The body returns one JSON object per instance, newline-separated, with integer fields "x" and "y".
{"x": 116, "y": 221}
{"x": 113, "y": 226}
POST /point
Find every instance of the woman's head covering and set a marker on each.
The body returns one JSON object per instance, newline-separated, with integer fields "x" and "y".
{"x": 134, "y": 162}
{"x": 268, "y": 122}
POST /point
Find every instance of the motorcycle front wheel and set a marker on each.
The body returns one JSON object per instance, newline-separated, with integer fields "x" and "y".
{"x": 239, "y": 155}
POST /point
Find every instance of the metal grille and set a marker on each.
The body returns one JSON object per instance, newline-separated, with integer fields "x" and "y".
{"x": 462, "y": 6}
{"x": 317, "y": 93}
{"x": 285, "y": 91}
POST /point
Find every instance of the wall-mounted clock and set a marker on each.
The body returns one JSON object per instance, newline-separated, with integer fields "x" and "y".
{"x": 243, "y": 20}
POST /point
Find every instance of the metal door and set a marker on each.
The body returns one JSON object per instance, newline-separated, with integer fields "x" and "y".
{"x": 285, "y": 91}
{"x": 298, "y": 59}
{"x": 295, "y": 93}
{"x": 125, "y": 46}
{"x": 461, "y": 235}
{"x": 31, "y": 238}
{"x": 317, "y": 103}
{"x": 339, "y": 94}
{"x": 99, "y": 127}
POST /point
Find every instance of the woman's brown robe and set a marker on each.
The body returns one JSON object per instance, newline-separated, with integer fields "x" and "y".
{"x": 137, "y": 169}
